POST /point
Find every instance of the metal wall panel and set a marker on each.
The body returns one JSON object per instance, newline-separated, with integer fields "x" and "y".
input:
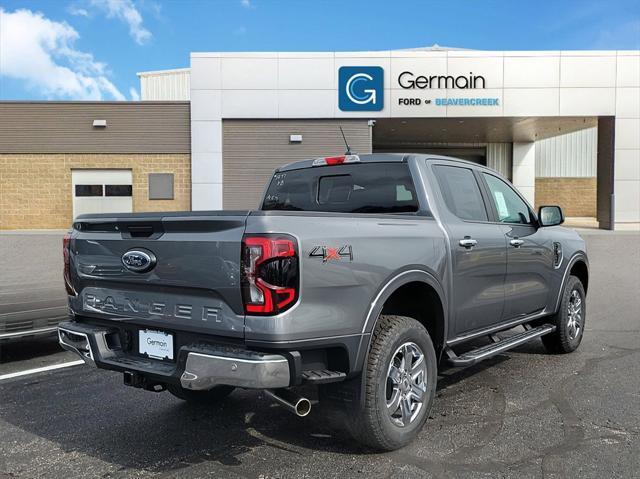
{"x": 498, "y": 155}
{"x": 67, "y": 127}
{"x": 252, "y": 149}
{"x": 570, "y": 155}
{"x": 500, "y": 158}
{"x": 169, "y": 85}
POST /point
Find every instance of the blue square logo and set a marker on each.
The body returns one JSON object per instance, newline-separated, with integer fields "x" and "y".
{"x": 360, "y": 88}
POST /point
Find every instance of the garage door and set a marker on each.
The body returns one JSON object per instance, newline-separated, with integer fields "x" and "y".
{"x": 252, "y": 149}
{"x": 101, "y": 191}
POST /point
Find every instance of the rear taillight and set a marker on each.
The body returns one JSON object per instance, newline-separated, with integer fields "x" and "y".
{"x": 66, "y": 254}
{"x": 269, "y": 273}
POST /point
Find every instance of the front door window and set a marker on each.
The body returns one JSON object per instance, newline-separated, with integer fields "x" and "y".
{"x": 509, "y": 206}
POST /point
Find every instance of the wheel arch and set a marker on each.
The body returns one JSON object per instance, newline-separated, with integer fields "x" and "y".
{"x": 578, "y": 265}
{"x": 580, "y": 269}
{"x": 416, "y": 293}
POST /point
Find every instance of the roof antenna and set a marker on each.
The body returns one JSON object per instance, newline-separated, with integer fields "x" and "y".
{"x": 348, "y": 152}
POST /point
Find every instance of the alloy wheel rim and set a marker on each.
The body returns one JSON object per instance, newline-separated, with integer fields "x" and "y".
{"x": 574, "y": 314}
{"x": 406, "y": 385}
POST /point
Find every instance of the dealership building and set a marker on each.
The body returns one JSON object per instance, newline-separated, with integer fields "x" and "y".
{"x": 563, "y": 126}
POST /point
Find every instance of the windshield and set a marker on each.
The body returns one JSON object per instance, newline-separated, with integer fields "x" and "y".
{"x": 354, "y": 188}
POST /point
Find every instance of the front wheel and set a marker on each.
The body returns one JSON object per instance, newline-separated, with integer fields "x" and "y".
{"x": 569, "y": 320}
{"x": 400, "y": 377}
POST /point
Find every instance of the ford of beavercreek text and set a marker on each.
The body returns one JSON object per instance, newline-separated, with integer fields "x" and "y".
{"x": 358, "y": 274}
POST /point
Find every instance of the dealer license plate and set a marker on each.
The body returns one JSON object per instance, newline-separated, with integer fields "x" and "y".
{"x": 156, "y": 344}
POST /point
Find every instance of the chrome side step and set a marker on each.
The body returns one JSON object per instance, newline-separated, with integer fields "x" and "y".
{"x": 498, "y": 346}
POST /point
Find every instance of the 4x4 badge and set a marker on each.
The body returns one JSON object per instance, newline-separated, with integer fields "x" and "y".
{"x": 328, "y": 253}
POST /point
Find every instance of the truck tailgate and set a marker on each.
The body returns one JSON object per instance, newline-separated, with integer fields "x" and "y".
{"x": 193, "y": 283}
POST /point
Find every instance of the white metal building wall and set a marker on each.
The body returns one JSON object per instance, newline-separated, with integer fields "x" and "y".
{"x": 570, "y": 155}
{"x": 499, "y": 157}
{"x": 166, "y": 85}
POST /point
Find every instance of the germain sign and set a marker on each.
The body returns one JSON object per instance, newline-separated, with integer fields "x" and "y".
{"x": 361, "y": 88}
{"x": 408, "y": 80}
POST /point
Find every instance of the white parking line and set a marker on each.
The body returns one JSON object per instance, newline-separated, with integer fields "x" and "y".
{"x": 41, "y": 370}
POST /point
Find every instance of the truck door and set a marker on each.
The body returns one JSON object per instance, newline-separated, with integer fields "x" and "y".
{"x": 529, "y": 251}
{"x": 478, "y": 249}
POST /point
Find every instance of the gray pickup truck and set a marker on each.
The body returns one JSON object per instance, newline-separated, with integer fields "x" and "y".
{"x": 359, "y": 274}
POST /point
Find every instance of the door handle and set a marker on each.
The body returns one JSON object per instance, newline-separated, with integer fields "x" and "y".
{"x": 516, "y": 243}
{"x": 467, "y": 242}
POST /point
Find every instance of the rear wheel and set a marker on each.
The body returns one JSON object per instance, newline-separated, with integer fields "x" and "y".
{"x": 569, "y": 320}
{"x": 200, "y": 397}
{"x": 400, "y": 384}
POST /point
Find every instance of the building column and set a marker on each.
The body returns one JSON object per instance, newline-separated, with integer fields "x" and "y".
{"x": 524, "y": 169}
{"x": 206, "y": 132}
{"x": 626, "y": 169}
{"x": 206, "y": 164}
{"x": 605, "y": 197}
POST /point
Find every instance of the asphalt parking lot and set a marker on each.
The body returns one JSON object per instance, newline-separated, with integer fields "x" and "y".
{"x": 522, "y": 414}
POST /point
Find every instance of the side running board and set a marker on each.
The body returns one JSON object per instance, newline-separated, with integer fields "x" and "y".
{"x": 498, "y": 346}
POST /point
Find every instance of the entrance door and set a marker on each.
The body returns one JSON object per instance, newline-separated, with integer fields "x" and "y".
{"x": 478, "y": 250}
{"x": 101, "y": 191}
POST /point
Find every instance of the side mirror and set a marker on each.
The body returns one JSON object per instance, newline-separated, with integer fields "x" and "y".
{"x": 550, "y": 216}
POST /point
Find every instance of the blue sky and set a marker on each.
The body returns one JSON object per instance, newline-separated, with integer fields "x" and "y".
{"x": 92, "y": 49}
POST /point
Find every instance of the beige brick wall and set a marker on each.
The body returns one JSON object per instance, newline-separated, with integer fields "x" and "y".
{"x": 576, "y": 196}
{"x": 35, "y": 190}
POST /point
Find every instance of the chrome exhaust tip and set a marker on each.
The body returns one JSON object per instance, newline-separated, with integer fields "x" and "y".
{"x": 298, "y": 405}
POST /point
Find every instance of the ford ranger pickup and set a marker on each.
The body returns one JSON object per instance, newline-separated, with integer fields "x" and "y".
{"x": 359, "y": 274}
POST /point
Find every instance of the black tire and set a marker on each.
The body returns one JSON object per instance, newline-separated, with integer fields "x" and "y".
{"x": 373, "y": 425}
{"x": 200, "y": 397}
{"x": 562, "y": 341}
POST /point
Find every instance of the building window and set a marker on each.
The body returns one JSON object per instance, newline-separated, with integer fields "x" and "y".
{"x": 88, "y": 190}
{"x": 117, "y": 190}
{"x": 160, "y": 186}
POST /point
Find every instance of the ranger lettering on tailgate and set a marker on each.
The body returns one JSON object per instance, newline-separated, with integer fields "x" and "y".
{"x": 121, "y": 304}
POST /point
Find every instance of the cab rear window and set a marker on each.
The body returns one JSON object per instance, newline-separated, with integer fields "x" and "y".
{"x": 358, "y": 188}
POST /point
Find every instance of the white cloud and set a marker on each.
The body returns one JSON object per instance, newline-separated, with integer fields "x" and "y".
{"x": 133, "y": 93}
{"x": 77, "y": 11}
{"x": 127, "y": 12}
{"x": 246, "y": 3}
{"x": 41, "y": 52}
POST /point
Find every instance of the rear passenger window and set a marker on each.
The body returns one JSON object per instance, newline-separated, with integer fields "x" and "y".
{"x": 461, "y": 192}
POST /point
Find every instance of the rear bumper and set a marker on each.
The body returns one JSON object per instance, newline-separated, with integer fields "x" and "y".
{"x": 204, "y": 371}
{"x": 199, "y": 367}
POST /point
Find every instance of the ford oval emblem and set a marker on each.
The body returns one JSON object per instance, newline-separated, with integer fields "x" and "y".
{"x": 138, "y": 260}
